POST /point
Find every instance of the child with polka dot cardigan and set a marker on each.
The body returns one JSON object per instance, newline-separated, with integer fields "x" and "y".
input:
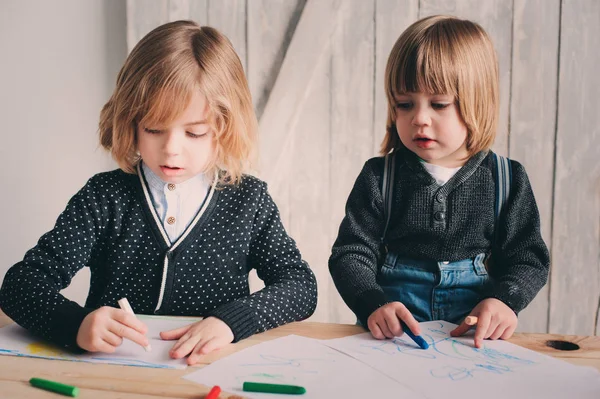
{"x": 178, "y": 227}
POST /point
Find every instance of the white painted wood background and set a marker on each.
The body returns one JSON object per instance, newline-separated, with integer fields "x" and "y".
{"x": 315, "y": 69}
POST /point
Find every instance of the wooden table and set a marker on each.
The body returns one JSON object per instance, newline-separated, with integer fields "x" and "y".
{"x": 127, "y": 382}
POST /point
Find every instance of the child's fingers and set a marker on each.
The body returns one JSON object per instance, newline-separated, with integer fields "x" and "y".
{"x": 393, "y": 324}
{"x": 509, "y": 332}
{"x": 105, "y": 347}
{"x": 383, "y": 325}
{"x": 494, "y": 325}
{"x": 125, "y": 331}
{"x": 112, "y": 339}
{"x": 195, "y": 354}
{"x": 404, "y": 314}
{"x": 212, "y": 345}
{"x": 98, "y": 344}
{"x": 460, "y": 330}
{"x": 130, "y": 321}
{"x": 483, "y": 324}
{"x": 175, "y": 333}
{"x": 499, "y": 331}
{"x": 181, "y": 341}
{"x": 203, "y": 347}
{"x": 184, "y": 346}
{"x": 375, "y": 330}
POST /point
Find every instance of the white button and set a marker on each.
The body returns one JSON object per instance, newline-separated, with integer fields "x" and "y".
{"x": 445, "y": 262}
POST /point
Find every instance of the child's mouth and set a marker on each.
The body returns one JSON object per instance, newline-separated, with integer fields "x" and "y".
{"x": 170, "y": 170}
{"x": 424, "y": 142}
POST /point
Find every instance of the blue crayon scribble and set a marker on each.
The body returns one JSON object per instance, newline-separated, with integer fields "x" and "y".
{"x": 471, "y": 361}
{"x": 396, "y": 345}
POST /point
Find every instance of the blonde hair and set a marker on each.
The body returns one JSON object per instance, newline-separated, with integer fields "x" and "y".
{"x": 155, "y": 86}
{"x": 446, "y": 55}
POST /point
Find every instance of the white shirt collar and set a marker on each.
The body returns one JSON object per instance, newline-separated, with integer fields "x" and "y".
{"x": 197, "y": 183}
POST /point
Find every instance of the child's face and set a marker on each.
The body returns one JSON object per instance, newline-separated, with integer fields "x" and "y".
{"x": 182, "y": 150}
{"x": 430, "y": 126}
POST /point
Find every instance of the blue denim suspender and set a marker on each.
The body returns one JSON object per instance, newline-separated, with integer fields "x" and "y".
{"x": 387, "y": 192}
{"x": 502, "y": 172}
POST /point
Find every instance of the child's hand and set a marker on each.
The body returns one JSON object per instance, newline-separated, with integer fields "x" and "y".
{"x": 198, "y": 339}
{"x": 385, "y": 321}
{"x": 495, "y": 320}
{"x": 103, "y": 330}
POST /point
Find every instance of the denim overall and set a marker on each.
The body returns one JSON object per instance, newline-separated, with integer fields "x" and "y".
{"x": 435, "y": 290}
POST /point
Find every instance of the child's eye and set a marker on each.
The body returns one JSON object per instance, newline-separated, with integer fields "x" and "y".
{"x": 440, "y": 105}
{"x": 196, "y": 135}
{"x": 152, "y": 131}
{"x": 404, "y": 105}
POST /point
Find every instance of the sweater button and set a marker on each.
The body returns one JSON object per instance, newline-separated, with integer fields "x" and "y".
{"x": 439, "y": 197}
{"x": 439, "y": 216}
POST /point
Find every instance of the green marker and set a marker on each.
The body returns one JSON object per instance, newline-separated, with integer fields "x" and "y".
{"x": 54, "y": 386}
{"x": 273, "y": 388}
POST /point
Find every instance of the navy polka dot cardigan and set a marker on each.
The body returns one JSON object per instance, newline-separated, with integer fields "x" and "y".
{"x": 111, "y": 226}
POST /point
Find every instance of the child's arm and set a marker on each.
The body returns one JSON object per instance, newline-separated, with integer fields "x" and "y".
{"x": 357, "y": 250}
{"x": 520, "y": 265}
{"x": 290, "y": 292}
{"x": 521, "y": 259}
{"x": 30, "y": 291}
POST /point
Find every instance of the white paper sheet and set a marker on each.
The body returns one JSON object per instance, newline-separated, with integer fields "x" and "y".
{"x": 16, "y": 341}
{"x": 294, "y": 360}
{"x": 454, "y": 368}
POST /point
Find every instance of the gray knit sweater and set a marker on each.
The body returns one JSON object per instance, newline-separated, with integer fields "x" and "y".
{"x": 111, "y": 227}
{"x": 441, "y": 223}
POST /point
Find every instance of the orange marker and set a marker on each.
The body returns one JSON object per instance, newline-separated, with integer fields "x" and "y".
{"x": 471, "y": 320}
{"x": 214, "y": 392}
{"x": 124, "y": 304}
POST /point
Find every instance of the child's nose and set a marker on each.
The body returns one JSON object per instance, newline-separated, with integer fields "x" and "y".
{"x": 172, "y": 144}
{"x": 421, "y": 117}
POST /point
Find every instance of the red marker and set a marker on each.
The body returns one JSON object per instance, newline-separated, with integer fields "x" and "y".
{"x": 214, "y": 392}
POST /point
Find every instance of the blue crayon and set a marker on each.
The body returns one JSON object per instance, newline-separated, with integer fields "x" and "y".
{"x": 417, "y": 338}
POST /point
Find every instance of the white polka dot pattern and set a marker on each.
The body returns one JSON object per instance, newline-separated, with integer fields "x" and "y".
{"x": 109, "y": 227}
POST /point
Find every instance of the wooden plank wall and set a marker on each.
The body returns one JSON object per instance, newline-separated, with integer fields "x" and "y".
{"x": 315, "y": 70}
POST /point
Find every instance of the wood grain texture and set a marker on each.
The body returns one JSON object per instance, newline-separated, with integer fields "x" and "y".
{"x": 284, "y": 108}
{"x": 144, "y": 16}
{"x": 391, "y": 19}
{"x": 352, "y": 90}
{"x": 588, "y": 346}
{"x": 309, "y": 185}
{"x": 229, "y": 17}
{"x": 198, "y": 11}
{"x": 179, "y": 9}
{"x": 533, "y": 119}
{"x": 575, "y": 277}
{"x": 271, "y": 25}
